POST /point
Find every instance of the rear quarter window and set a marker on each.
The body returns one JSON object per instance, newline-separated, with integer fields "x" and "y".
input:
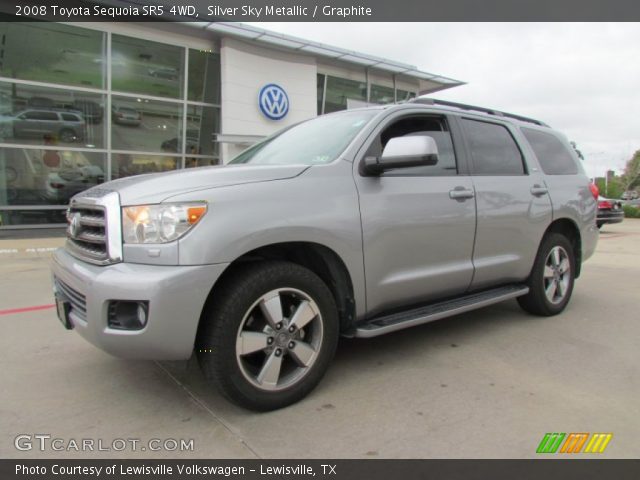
{"x": 552, "y": 154}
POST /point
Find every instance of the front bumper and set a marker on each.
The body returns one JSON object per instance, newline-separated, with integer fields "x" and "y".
{"x": 176, "y": 296}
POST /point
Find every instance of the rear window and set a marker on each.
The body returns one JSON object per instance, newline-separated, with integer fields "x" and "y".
{"x": 493, "y": 149}
{"x": 553, "y": 156}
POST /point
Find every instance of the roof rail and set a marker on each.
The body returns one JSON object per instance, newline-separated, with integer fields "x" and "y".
{"x": 489, "y": 111}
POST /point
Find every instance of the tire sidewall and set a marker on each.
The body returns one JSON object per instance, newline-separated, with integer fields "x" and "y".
{"x": 552, "y": 241}
{"x": 231, "y": 312}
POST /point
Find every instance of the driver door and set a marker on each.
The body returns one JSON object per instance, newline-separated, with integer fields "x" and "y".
{"x": 418, "y": 223}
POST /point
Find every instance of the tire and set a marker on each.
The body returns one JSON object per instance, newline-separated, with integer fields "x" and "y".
{"x": 245, "y": 346}
{"x": 546, "y": 271}
{"x": 599, "y": 224}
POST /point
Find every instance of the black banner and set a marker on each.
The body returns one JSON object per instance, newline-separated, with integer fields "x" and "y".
{"x": 547, "y": 469}
{"x": 323, "y": 10}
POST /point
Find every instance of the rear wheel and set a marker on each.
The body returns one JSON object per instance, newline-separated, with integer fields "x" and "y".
{"x": 599, "y": 224}
{"x": 269, "y": 335}
{"x": 552, "y": 278}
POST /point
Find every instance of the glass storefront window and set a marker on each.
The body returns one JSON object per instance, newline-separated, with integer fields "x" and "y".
{"x": 145, "y": 125}
{"x": 202, "y": 124}
{"x": 340, "y": 91}
{"x": 404, "y": 95}
{"x": 33, "y": 216}
{"x": 145, "y": 67}
{"x": 55, "y": 135}
{"x": 320, "y": 86}
{"x": 193, "y": 162}
{"x": 50, "y": 116}
{"x": 125, "y": 164}
{"x": 53, "y": 53}
{"x": 204, "y": 76}
{"x": 381, "y": 94}
{"x": 34, "y": 176}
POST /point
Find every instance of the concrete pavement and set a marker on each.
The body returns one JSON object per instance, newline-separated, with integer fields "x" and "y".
{"x": 488, "y": 384}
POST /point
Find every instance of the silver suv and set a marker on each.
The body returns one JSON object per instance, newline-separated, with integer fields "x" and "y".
{"x": 64, "y": 125}
{"x": 357, "y": 223}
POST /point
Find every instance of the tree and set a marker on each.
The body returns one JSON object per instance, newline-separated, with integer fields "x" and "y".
{"x": 631, "y": 176}
{"x": 611, "y": 189}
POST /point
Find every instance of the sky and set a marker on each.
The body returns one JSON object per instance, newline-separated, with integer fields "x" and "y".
{"x": 580, "y": 78}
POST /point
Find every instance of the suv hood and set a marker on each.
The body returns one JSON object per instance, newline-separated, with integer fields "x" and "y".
{"x": 156, "y": 187}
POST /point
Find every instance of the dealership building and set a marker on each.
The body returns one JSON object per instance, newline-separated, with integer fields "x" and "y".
{"x": 85, "y": 103}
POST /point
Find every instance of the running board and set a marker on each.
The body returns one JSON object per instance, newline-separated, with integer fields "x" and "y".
{"x": 436, "y": 311}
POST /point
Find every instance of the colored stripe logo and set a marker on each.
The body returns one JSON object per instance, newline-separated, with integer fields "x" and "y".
{"x": 574, "y": 443}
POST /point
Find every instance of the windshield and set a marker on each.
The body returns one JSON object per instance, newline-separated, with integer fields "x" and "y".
{"x": 314, "y": 142}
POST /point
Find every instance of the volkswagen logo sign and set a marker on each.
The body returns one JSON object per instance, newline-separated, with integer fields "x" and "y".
{"x": 273, "y": 101}
{"x": 74, "y": 225}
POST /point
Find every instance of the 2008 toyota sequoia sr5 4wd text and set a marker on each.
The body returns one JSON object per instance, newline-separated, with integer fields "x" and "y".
{"x": 356, "y": 223}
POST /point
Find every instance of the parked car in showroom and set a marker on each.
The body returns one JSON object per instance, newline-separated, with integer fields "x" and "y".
{"x": 63, "y": 125}
{"x": 356, "y": 223}
{"x": 164, "y": 73}
{"x": 192, "y": 146}
{"x": 91, "y": 111}
{"x": 126, "y": 116}
{"x": 609, "y": 211}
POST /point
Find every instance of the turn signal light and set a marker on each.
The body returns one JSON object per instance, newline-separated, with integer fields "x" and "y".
{"x": 194, "y": 214}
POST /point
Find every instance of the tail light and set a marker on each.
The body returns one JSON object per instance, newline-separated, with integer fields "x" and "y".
{"x": 595, "y": 191}
{"x": 605, "y": 204}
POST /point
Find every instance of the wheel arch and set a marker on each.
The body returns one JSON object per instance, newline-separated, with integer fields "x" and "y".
{"x": 569, "y": 229}
{"x": 320, "y": 259}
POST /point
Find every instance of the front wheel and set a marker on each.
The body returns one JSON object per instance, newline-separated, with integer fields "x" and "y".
{"x": 269, "y": 335}
{"x": 552, "y": 277}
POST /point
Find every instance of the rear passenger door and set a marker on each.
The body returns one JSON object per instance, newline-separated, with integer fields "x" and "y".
{"x": 513, "y": 205}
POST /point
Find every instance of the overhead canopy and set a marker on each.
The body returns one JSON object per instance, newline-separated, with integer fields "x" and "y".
{"x": 289, "y": 42}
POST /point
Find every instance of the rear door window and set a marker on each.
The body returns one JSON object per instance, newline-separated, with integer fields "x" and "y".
{"x": 493, "y": 149}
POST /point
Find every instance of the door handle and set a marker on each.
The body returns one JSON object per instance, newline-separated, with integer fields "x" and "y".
{"x": 460, "y": 193}
{"x": 539, "y": 190}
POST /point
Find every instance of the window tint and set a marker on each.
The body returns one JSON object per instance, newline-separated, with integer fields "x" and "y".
{"x": 42, "y": 116}
{"x": 69, "y": 117}
{"x": 493, "y": 149}
{"x": 553, "y": 156}
{"x": 430, "y": 126}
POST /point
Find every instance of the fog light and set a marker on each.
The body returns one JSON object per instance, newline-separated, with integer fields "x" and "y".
{"x": 128, "y": 315}
{"x": 142, "y": 314}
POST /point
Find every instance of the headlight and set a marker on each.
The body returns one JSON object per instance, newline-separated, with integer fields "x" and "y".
{"x": 160, "y": 223}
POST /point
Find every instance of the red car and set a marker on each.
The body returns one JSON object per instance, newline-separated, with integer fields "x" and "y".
{"x": 609, "y": 211}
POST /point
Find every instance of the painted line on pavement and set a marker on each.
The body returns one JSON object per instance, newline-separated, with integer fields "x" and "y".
{"x": 11, "y": 311}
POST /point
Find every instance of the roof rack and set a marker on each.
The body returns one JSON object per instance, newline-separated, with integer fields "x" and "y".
{"x": 462, "y": 106}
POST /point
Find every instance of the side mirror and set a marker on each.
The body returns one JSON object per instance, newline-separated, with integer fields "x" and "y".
{"x": 403, "y": 152}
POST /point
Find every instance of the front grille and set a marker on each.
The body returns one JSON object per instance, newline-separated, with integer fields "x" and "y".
{"x": 87, "y": 233}
{"x": 77, "y": 300}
